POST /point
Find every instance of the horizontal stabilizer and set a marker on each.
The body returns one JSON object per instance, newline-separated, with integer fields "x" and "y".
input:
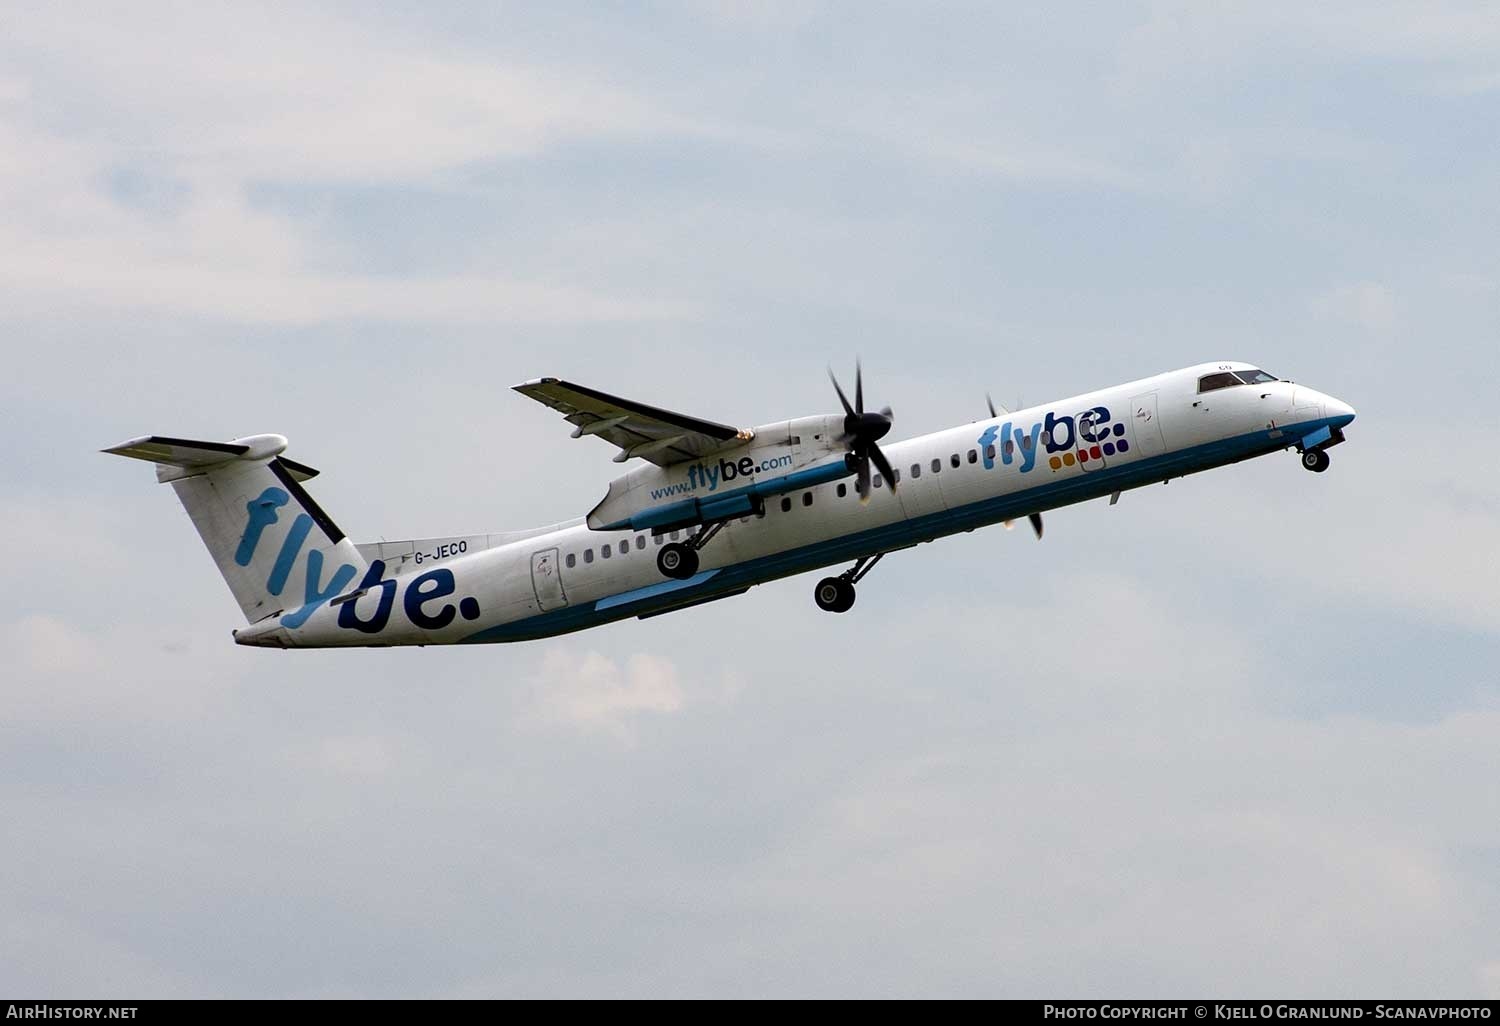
{"x": 192, "y": 455}
{"x": 178, "y": 452}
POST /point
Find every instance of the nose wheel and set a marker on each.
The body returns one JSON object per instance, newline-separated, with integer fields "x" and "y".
{"x": 836, "y": 594}
{"x": 1315, "y": 460}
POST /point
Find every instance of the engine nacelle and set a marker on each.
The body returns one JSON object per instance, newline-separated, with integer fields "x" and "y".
{"x": 731, "y": 482}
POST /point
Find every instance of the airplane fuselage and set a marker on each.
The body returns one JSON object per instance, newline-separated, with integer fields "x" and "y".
{"x": 474, "y": 589}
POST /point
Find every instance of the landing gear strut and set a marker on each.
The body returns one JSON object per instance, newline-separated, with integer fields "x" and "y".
{"x": 679, "y": 560}
{"x": 836, "y": 594}
{"x": 1315, "y": 460}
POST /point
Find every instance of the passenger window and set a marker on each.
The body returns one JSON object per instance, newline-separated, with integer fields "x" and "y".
{"x": 916, "y": 470}
{"x": 1010, "y": 447}
{"x": 989, "y": 452}
{"x": 807, "y": 498}
{"x": 937, "y": 466}
{"x": 675, "y": 534}
{"x": 640, "y": 541}
{"x": 843, "y": 490}
{"x": 604, "y": 551}
{"x": 1026, "y": 442}
{"x": 877, "y": 480}
{"x": 974, "y": 456}
{"x": 786, "y": 504}
{"x": 1046, "y": 437}
{"x": 660, "y": 540}
{"x": 955, "y": 461}
{"x": 588, "y": 555}
{"x": 572, "y": 560}
{"x": 624, "y": 546}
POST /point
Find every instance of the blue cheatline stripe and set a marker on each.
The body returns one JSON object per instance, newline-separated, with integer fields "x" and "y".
{"x": 906, "y": 532}
{"x": 730, "y": 503}
{"x": 653, "y": 590}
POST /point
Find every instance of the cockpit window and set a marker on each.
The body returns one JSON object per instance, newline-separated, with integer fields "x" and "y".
{"x": 1209, "y": 382}
{"x": 1255, "y": 377}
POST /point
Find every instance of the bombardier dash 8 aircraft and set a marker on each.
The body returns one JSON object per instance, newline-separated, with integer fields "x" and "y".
{"x": 711, "y": 510}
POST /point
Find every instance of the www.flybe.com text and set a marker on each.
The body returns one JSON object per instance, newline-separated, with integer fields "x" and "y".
{"x": 709, "y": 476}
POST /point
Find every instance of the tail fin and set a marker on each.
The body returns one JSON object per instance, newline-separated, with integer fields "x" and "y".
{"x": 277, "y": 549}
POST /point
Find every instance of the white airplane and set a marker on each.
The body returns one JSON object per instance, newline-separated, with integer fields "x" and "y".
{"x": 712, "y": 510}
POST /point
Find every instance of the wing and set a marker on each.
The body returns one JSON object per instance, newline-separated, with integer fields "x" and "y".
{"x": 660, "y": 436}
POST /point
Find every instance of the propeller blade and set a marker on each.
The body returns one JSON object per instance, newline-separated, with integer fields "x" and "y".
{"x": 992, "y": 404}
{"x": 1010, "y": 525}
{"x": 1036, "y": 524}
{"x": 883, "y": 464}
{"x": 861, "y": 430}
{"x": 842, "y": 398}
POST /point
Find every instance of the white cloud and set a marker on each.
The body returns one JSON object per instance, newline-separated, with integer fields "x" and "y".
{"x": 591, "y": 691}
{"x": 138, "y": 673}
{"x": 47, "y": 646}
{"x": 293, "y": 97}
{"x": 297, "y": 94}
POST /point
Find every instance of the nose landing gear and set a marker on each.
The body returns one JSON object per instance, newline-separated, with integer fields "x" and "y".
{"x": 1315, "y": 460}
{"x": 836, "y": 594}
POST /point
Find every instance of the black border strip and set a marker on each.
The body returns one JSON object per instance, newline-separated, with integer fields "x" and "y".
{"x": 299, "y": 468}
{"x": 300, "y": 494}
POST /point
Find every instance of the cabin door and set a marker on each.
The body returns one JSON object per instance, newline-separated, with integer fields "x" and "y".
{"x": 546, "y": 580}
{"x": 1145, "y": 426}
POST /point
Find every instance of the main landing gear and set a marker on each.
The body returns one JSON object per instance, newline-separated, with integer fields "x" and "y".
{"x": 679, "y": 560}
{"x": 836, "y": 594}
{"x": 1315, "y": 460}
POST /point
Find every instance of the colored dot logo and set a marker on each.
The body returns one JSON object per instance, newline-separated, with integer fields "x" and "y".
{"x": 1098, "y": 451}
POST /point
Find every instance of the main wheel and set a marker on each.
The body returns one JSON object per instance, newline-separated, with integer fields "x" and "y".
{"x": 1315, "y": 460}
{"x": 834, "y": 595}
{"x": 677, "y": 561}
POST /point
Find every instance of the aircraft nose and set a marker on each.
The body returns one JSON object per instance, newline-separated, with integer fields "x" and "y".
{"x": 1340, "y": 412}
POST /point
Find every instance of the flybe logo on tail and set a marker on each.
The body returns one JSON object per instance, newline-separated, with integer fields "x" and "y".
{"x": 261, "y": 515}
{"x": 419, "y": 602}
{"x": 1090, "y": 435}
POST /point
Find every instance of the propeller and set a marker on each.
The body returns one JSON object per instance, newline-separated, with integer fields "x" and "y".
{"x": 861, "y": 431}
{"x": 1036, "y": 524}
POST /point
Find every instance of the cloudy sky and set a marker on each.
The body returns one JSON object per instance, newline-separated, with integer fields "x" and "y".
{"x": 1239, "y": 736}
